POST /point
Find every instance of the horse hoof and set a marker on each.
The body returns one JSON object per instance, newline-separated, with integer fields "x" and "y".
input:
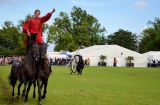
{"x": 43, "y": 97}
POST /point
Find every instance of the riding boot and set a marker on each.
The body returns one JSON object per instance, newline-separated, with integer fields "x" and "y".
{"x": 43, "y": 50}
{"x": 29, "y": 41}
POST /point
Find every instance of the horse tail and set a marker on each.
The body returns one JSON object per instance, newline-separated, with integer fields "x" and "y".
{"x": 12, "y": 77}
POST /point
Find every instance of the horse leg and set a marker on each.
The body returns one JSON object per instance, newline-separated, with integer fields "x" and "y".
{"x": 78, "y": 70}
{"x": 24, "y": 90}
{"x": 74, "y": 67}
{"x": 81, "y": 71}
{"x": 39, "y": 92}
{"x": 75, "y": 71}
{"x": 78, "y": 73}
{"x": 19, "y": 87}
{"x": 45, "y": 89}
{"x": 34, "y": 93}
{"x": 71, "y": 71}
{"x": 28, "y": 89}
{"x": 42, "y": 85}
{"x": 13, "y": 90}
{"x": 13, "y": 81}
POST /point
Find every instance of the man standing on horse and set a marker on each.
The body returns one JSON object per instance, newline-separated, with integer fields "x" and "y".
{"x": 33, "y": 28}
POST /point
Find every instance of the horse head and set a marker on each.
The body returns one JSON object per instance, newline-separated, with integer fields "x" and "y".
{"x": 76, "y": 58}
{"x": 35, "y": 51}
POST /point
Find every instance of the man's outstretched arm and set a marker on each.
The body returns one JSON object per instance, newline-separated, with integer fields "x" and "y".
{"x": 48, "y": 16}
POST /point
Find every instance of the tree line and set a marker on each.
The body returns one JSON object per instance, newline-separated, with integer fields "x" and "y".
{"x": 79, "y": 28}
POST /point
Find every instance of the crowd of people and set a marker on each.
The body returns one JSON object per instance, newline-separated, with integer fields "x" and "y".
{"x": 154, "y": 63}
{"x": 59, "y": 61}
{"x": 54, "y": 61}
{"x": 65, "y": 61}
{"x": 8, "y": 60}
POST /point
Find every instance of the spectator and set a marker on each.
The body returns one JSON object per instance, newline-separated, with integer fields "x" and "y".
{"x": 9, "y": 60}
{"x": 114, "y": 62}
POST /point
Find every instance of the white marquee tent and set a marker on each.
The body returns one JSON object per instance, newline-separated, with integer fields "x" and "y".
{"x": 152, "y": 55}
{"x": 112, "y": 51}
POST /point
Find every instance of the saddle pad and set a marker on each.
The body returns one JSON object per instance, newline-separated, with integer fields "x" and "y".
{"x": 16, "y": 63}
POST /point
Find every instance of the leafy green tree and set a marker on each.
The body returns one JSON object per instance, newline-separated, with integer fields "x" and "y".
{"x": 150, "y": 37}
{"x": 10, "y": 39}
{"x": 103, "y": 40}
{"x": 86, "y": 28}
{"x": 68, "y": 32}
{"x": 123, "y": 38}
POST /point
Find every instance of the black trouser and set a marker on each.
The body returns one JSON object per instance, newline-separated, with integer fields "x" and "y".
{"x": 30, "y": 40}
{"x": 114, "y": 64}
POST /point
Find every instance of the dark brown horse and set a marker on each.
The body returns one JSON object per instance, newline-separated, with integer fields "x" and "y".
{"x": 26, "y": 72}
{"x": 44, "y": 75}
{"x": 43, "y": 71}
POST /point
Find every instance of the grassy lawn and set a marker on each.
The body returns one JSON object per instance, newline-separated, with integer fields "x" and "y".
{"x": 97, "y": 86}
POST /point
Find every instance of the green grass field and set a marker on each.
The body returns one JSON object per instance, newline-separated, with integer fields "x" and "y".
{"x": 97, "y": 86}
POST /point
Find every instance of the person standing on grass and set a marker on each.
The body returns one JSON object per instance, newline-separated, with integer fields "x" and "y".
{"x": 33, "y": 28}
{"x": 114, "y": 62}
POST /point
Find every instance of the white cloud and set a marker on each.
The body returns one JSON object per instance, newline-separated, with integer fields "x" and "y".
{"x": 141, "y": 4}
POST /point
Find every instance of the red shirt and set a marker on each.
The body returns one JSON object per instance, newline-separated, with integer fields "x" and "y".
{"x": 34, "y": 26}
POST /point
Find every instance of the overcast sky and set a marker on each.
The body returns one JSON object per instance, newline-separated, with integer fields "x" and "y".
{"x": 131, "y": 15}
